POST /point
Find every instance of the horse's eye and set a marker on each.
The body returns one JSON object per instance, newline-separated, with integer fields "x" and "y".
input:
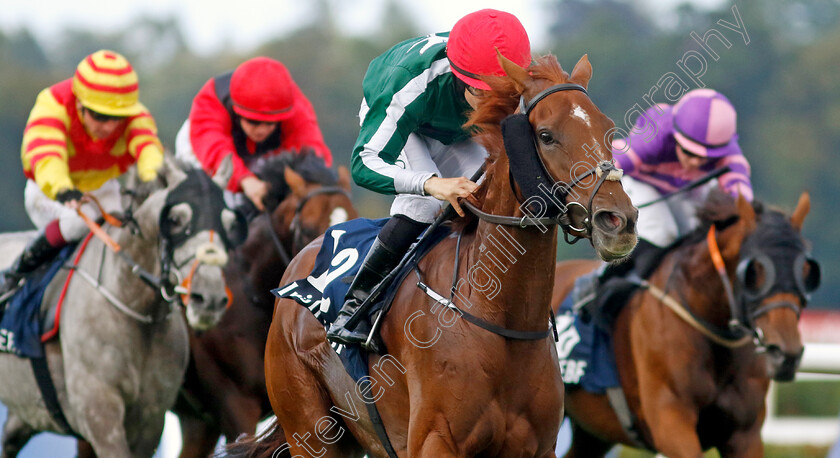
{"x": 179, "y": 217}
{"x": 546, "y": 137}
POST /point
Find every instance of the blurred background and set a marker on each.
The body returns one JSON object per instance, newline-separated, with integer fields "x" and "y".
{"x": 783, "y": 83}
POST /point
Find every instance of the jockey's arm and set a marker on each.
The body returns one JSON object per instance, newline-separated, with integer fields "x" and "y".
{"x": 210, "y": 135}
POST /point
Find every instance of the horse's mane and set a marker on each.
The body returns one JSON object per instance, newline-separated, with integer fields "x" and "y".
{"x": 306, "y": 163}
{"x": 502, "y": 101}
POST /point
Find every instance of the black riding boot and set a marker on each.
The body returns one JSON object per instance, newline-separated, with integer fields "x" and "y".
{"x": 608, "y": 290}
{"x": 378, "y": 263}
{"x": 386, "y": 253}
{"x": 37, "y": 251}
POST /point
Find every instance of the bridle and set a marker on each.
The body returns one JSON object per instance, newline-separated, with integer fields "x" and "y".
{"x": 296, "y": 227}
{"x": 176, "y": 293}
{"x": 742, "y": 328}
{"x": 529, "y": 171}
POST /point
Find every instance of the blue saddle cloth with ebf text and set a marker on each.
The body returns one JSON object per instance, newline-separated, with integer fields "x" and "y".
{"x": 22, "y": 323}
{"x": 585, "y": 351}
{"x": 342, "y": 253}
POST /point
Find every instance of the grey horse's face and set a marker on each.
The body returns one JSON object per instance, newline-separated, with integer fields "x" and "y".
{"x": 198, "y": 264}
{"x": 197, "y": 230}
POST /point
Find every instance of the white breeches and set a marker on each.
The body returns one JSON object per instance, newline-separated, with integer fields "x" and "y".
{"x": 424, "y": 154}
{"x": 42, "y": 210}
{"x": 662, "y": 223}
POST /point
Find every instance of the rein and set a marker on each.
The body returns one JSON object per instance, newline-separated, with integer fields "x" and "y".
{"x": 746, "y": 332}
{"x": 495, "y": 329}
{"x": 148, "y": 278}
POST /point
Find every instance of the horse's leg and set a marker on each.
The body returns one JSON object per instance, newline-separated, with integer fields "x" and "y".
{"x": 240, "y": 413}
{"x": 433, "y": 445}
{"x": 16, "y": 434}
{"x": 672, "y": 422}
{"x": 199, "y": 437}
{"x": 585, "y": 444}
{"x": 101, "y": 420}
{"x": 744, "y": 443}
{"x": 298, "y": 399}
{"x": 84, "y": 449}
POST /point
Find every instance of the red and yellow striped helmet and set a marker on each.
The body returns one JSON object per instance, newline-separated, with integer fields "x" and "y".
{"x": 106, "y": 83}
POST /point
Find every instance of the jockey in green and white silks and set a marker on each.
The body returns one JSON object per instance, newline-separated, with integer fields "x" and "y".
{"x": 410, "y": 109}
{"x": 417, "y": 96}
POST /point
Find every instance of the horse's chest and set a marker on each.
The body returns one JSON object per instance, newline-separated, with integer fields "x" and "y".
{"x": 513, "y": 410}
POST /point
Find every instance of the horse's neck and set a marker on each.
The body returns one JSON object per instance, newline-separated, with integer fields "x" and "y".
{"x": 119, "y": 279}
{"x": 698, "y": 285}
{"x": 519, "y": 262}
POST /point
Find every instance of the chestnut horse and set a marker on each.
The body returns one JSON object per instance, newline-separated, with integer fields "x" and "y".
{"x": 694, "y": 387}
{"x": 224, "y": 388}
{"x": 449, "y": 387}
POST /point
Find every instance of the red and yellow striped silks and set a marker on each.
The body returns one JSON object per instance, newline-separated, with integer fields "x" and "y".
{"x": 59, "y": 154}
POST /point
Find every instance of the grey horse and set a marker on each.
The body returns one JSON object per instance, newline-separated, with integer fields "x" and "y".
{"x": 122, "y": 349}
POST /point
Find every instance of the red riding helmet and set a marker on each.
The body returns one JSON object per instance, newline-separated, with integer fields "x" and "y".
{"x": 261, "y": 89}
{"x": 473, "y": 42}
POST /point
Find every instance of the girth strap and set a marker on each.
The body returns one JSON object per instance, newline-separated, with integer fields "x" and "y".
{"x": 47, "y": 388}
{"x": 618, "y": 402}
{"x": 376, "y": 420}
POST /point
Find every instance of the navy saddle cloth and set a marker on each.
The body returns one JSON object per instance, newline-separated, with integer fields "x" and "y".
{"x": 585, "y": 351}
{"x": 343, "y": 250}
{"x": 23, "y": 321}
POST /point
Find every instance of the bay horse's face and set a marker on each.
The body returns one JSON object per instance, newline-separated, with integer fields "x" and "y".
{"x": 775, "y": 277}
{"x": 311, "y": 208}
{"x": 572, "y": 137}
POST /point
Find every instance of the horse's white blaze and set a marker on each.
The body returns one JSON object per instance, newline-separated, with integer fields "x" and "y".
{"x": 581, "y": 114}
{"x": 338, "y": 215}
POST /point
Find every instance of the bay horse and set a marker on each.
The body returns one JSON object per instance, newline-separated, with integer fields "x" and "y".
{"x": 121, "y": 349}
{"x": 224, "y": 388}
{"x": 692, "y": 387}
{"x": 449, "y": 388}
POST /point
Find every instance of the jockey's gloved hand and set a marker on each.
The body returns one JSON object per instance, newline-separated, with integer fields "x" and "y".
{"x": 149, "y": 163}
{"x": 68, "y": 195}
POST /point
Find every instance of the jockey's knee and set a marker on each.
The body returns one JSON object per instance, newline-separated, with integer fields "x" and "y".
{"x": 422, "y": 209}
{"x": 72, "y": 229}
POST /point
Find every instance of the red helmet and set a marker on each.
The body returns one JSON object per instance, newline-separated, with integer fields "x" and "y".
{"x": 473, "y": 42}
{"x": 261, "y": 89}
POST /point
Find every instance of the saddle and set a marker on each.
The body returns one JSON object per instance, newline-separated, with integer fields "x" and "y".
{"x": 24, "y": 318}
{"x": 600, "y": 298}
{"x": 342, "y": 253}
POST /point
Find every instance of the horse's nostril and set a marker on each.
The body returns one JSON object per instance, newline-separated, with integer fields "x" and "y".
{"x": 775, "y": 351}
{"x": 609, "y": 221}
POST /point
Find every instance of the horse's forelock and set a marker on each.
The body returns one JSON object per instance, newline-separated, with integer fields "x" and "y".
{"x": 503, "y": 100}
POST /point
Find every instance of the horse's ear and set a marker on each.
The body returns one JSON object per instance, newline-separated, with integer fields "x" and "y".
{"x": 746, "y": 214}
{"x": 801, "y": 211}
{"x": 731, "y": 247}
{"x": 518, "y": 74}
{"x": 224, "y": 172}
{"x": 344, "y": 178}
{"x": 582, "y": 72}
{"x": 296, "y": 182}
{"x": 171, "y": 173}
